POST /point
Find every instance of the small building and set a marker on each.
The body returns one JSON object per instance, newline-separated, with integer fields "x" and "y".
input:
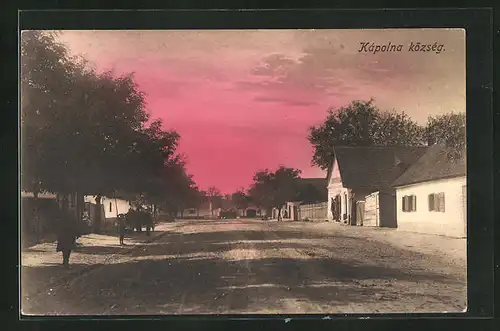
{"x": 36, "y": 217}
{"x": 110, "y": 208}
{"x": 202, "y": 211}
{"x": 432, "y": 195}
{"x": 357, "y": 173}
{"x": 310, "y": 191}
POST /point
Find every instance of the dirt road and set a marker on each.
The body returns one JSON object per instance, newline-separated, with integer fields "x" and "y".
{"x": 249, "y": 266}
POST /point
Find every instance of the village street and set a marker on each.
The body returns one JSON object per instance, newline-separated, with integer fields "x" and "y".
{"x": 251, "y": 266}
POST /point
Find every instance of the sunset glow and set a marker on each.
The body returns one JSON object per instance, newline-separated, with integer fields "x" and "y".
{"x": 244, "y": 100}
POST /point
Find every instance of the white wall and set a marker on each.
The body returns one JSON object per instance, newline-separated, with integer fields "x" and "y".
{"x": 123, "y": 206}
{"x": 335, "y": 187}
{"x": 201, "y": 212}
{"x": 452, "y": 222}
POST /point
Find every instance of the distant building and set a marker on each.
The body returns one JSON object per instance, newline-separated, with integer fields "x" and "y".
{"x": 310, "y": 191}
{"x": 202, "y": 211}
{"x": 110, "y": 208}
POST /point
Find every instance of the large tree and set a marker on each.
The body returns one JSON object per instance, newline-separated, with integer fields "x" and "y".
{"x": 448, "y": 129}
{"x": 361, "y": 123}
{"x": 240, "y": 199}
{"x": 274, "y": 189}
{"x": 309, "y": 193}
{"x": 46, "y": 74}
{"x": 214, "y": 198}
{"x": 83, "y": 131}
{"x": 172, "y": 189}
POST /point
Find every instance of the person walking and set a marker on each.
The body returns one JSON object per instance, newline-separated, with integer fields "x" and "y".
{"x": 66, "y": 239}
{"x": 121, "y": 229}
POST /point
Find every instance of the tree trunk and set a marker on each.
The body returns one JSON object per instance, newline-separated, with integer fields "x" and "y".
{"x": 279, "y": 214}
{"x": 36, "y": 217}
{"x": 97, "y": 215}
{"x": 65, "y": 203}
{"x": 80, "y": 202}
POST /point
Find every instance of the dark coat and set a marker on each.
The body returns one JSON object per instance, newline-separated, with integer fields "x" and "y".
{"x": 66, "y": 237}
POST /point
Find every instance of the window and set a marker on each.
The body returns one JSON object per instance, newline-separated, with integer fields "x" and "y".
{"x": 437, "y": 202}
{"x": 409, "y": 203}
{"x": 110, "y": 207}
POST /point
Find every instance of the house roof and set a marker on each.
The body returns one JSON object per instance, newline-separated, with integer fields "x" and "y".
{"x": 433, "y": 165}
{"x": 374, "y": 167}
{"x": 319, "y": 183}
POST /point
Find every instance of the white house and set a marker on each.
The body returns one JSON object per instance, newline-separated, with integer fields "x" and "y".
{"x": 202, "y": 211}
{"x": 432, "y": 195}
{"x": 360, "y": 178}
{"x": 111, "y": 207}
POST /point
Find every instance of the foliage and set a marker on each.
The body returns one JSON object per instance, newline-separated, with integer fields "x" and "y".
{"x": 87, "y": 132}
{"x": 240, "y": 199}
{"x": 361, "y": 123}
{"x": 309, "y": 193}
{"x": 448, "y": 129}
{"x": 273, "y": 189}
{"x": 176, "y": 188}
{"x": 214, "y": 197}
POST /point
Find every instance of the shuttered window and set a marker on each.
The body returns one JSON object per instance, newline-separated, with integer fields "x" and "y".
{"x": 441, "y": 202}
{"x": 437, "y": 202}
{"x": 432, "y": 200}
{"x": 413, "y": 199}
{"x": 409, "y": 203}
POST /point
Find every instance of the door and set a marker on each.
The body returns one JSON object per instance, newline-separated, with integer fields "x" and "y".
{"x": 360, "y": 212}
{"x": 295, "y": 213}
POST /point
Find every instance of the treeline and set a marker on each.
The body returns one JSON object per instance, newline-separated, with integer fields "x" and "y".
{"x": 361, "y": 123}
{"x": 89, "y": 132}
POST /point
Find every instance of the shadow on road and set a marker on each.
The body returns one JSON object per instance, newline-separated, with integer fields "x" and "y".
{"x": 191, "y": 273}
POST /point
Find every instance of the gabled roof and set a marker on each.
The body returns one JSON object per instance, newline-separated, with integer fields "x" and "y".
{"x": 433, "y": 165}
{"x": 374, "y": 167}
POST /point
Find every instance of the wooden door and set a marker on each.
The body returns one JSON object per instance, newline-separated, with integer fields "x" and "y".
{"x": 360, "y": 212}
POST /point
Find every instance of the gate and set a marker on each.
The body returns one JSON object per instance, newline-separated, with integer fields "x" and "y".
{"x": 360, "y": 212}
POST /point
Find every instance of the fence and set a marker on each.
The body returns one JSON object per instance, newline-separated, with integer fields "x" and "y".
{"x": 314, "y": 212}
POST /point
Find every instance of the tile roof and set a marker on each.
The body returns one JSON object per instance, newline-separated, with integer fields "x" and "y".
{"x": 433, "y": 165}
{"x": 374, "y": 167}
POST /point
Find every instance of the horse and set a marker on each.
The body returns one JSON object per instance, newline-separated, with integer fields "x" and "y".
{"x": 137, "y": 219}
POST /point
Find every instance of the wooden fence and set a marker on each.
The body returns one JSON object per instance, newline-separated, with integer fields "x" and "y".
{"x": 314, "y": 212}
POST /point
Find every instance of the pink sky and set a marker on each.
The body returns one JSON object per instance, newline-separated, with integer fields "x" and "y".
{"x": 243, "y": 100}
